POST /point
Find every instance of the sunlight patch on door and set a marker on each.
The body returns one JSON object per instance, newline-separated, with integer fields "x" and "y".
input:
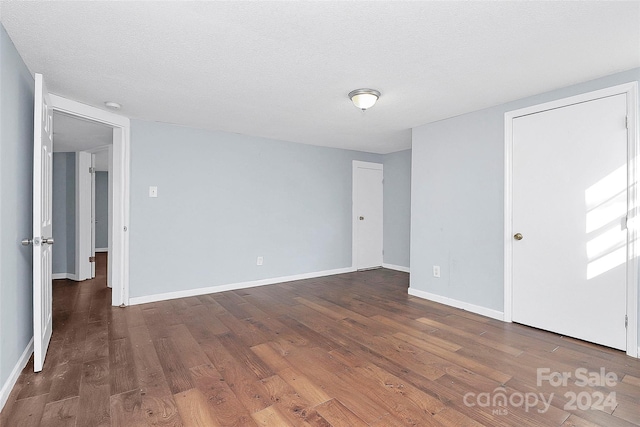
{"x": 606, "y": 204}
{"x": 606, "y": 263}
{"x": 611, "y": 239}
{"x": 606, "y": 200}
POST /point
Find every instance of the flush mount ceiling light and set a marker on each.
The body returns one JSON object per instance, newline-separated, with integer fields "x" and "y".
{"x": 112, "y": 105}
{"x": 364, "y": 98}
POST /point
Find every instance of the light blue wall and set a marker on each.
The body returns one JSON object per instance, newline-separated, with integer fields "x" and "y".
{"x": 397, "y": 207}
{"x": 225, "y": 199}
{"x": 457, "y": 199}
{"x": 16, "y": 164}
{"x": 64, "y": 213}
{"x": 102, "y": 209}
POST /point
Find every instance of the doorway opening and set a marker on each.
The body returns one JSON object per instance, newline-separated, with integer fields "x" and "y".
{"x": 81, "y": 218}
{"x": 118, "y": 191}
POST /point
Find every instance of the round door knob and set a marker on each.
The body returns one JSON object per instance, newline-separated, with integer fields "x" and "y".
{"x": 517, "y": 236}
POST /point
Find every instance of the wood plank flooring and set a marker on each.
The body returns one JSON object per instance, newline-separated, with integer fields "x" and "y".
{"x": 346, "y": 350}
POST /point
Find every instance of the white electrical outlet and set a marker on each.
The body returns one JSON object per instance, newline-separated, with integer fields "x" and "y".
{"x": 259, "y": 261}
{"x": 436, "y": 271}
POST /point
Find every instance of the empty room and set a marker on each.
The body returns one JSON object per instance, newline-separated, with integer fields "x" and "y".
{"x": 340, "y": 213}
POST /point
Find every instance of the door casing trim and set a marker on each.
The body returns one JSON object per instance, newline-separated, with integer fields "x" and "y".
{"x": 633, "y": 164}
{"x": 120, "y": 195}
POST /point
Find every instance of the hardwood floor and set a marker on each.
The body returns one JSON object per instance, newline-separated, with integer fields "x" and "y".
{"x": 346, "y": 350}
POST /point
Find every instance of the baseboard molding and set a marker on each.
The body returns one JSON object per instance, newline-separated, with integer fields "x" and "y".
{"x": 235, "y": 286}
{"x": 68, "y": 276}
{"x": 15, "y": 373}
{"x": 396, "y": 267}
{"x": 494, "y": 314}
{"x": 102, "y": 249}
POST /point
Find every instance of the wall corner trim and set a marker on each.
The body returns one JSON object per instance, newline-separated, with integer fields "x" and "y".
{"x": 234, "y": 286}
{"x": 483, "y": 311}
{"x": 15, "y": 373}
{"x": 396, "y": 267}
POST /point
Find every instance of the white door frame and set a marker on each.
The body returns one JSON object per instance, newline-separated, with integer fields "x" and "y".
{"x": 83, "y": 215}
{"x": 119, "y": 254}
{"x": 93, "y": 215}
{"x": 633, "y": 151}
{"x": 354, "y": 217}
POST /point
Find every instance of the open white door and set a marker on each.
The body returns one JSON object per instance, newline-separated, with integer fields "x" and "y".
{"x": 84, "y": 267}
{"x": 42, "y": 224}
{"x": 93, "y": 216}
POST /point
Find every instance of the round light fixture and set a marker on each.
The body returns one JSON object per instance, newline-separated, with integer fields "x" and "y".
{"x": 112, "y": 105}
{"x": 364, "y": 98}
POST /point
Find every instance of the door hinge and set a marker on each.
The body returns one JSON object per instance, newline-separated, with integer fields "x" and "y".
{"x": 626, "y": 321}
{"x": 92, "y": 170}
{"x": 626, "y": 122}
{"x": 92, "y": 259}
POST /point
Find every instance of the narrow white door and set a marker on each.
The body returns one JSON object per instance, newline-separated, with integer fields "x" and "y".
{"x": 83, "y": 215}
{"x": 569, "y": 220}
{"x": 368, "y": 227}
{"x": 93, "y": 216}
{"x": 42, "y": 224}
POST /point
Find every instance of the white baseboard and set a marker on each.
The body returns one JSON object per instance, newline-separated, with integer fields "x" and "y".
{"x": 68, "y": 276}
{"x": 494, "y": 314}
{"x": 396, "y": 267}
{"x": 15, "y": 373}
{"x": 235, "y": 286}
{"x": 102, "y": 249}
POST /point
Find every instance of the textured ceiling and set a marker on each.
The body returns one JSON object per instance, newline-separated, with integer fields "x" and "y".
{"x": 283, "y": 69}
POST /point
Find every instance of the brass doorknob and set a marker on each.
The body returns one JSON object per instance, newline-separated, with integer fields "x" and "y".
{"x": 517, "y": 236}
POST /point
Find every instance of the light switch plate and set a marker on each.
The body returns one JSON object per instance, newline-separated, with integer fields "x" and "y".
{"x": 153, "y": 191}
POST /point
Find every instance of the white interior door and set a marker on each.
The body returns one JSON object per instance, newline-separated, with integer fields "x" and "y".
{"x": 368, "y": 205}
{"x": 42, "y": 224}
{"x": 569, "y": 210}
{"x": 84, "y": 266}
{"x": 93, "y": 215}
